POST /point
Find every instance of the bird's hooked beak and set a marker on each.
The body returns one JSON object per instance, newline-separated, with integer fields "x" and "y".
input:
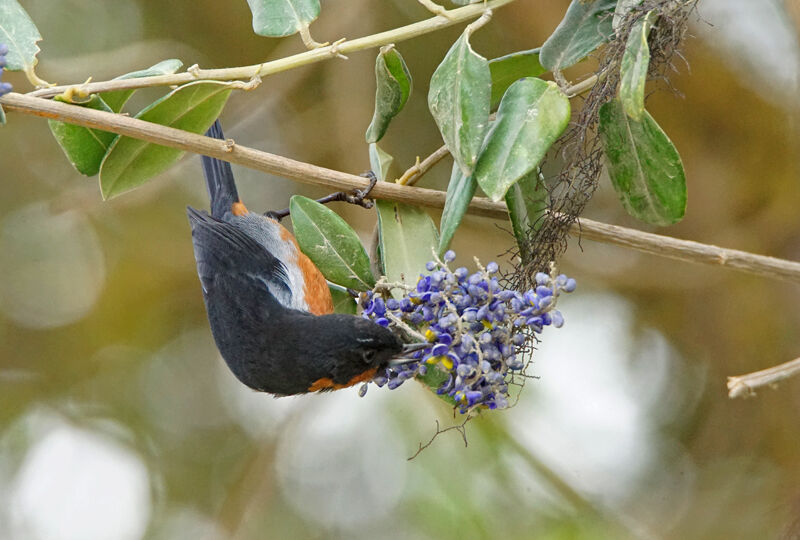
{"x": 407, "y": 349}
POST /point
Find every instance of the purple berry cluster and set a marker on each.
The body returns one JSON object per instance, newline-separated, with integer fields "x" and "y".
{"x": 5, "y": 87}
{"x": 475, "y": 328}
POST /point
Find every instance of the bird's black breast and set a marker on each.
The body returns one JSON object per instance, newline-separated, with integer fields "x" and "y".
{"x": 268, "y": 346}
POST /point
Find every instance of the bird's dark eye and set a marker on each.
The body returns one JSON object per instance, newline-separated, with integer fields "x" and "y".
{"x": 369, "y": 355}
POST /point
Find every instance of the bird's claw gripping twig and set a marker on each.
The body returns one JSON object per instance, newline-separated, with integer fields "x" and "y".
{"x": 357, "y": 197}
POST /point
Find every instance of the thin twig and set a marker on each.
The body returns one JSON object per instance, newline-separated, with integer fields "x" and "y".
{"x": 416, "y": 171}
{"x": 581, "y": 87}
{"x": 306, "y": 173}
{"x": 461, "y": 428}
{"x": 743, "y": 386}
{"x": 339, "y": 48}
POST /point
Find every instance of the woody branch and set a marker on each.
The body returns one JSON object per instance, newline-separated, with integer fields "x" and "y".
{"x": 664, "y": 246}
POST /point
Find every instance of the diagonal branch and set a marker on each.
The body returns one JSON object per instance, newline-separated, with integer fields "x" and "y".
{"x": 337, "y": 49}
{"x": 664, "y": 246}
{"x": 746, "y": 385}
{"x": 416, "y": 171}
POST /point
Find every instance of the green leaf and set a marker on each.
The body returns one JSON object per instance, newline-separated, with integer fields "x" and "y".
{"x": 278, "y": 18}
{"x": 644, "y": 166}
{"x": 585, "y": 26}
{"x": 406, "y": 239}
{"x": 2, "y": 116}
{"x": 633, "y": 68}
{"x": 527, "y": 202}
{"x": 393, "y": 88}
{"x": 342, "y": 301}
{"x": 434, "y": 378}
{"x": 19, "y": 33}
{"x": 379, "y": 161}
{"x": 85, "y": 148}
{"x": 130, "y": 162}
{"x": 117, "y": 98}
{"x": 458, "y": 99}
{"x": 622, "y": 8}
{"x": 331, "y": 244}
{"x": 507, "y": 69}
{"x": 532, "y": 115}
{"x": 460, "y": 190}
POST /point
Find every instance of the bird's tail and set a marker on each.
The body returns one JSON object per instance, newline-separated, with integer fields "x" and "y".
{"x": 219, "y": 178}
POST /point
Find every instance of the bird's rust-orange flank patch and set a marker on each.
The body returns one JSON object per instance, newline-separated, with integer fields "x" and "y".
{"x": 315, "y": 288}
{"x": 326, "y": 383}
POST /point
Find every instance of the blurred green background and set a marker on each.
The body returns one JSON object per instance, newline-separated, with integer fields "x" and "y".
{"x": 119, "y": 420}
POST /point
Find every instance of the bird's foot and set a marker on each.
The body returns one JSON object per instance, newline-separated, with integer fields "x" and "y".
{"x": 357, "y": 197}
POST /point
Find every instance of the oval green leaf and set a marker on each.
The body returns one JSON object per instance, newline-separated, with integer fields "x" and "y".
{"x": 331, "y": 244}
{"x": 379, "y": 161}
{"x": 131, "y": 162}
{"x": 19, "y": 33}
{"x": 644, "y": 166}
{"x": 393, "y": 88}
{"x": 406, "y": 239}
{"x": 278, "y": 18}
{"x": 532, "y": 115}
{"x": 459, "y": 99}
{"x": 508, "y": 69}
{"x": 527, "y": 203}
{"x": 633, "y": 68}
{"x": 85, "y": 148}
{"x": 342, "y": 301}
{"x": 460, "y": 191}
{"x": 117, "y": 98}
{"x": 585, "y": 26}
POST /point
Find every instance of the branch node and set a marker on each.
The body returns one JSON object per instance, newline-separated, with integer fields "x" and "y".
{"x": 308, "y": 41}
{"x": 77, "y": 94}
{"x": 334, "y": 51}
{"x": 485, "y": 17}
{"x": 194, "y": 71}
{"x": 436, "y": 9}
{"x": 228, "y": 145}
{"x": 253, "y": 83}
{"x": 561, "y": 81}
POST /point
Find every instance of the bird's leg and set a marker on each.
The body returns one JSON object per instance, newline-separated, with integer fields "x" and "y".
{"x": 357, "y": 196}
{"x": 354, "y": 293}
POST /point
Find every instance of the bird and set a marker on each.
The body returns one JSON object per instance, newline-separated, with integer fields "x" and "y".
{"x": 269, "y": 307}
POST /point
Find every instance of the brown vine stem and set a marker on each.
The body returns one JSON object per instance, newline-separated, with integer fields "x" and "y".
{"x": 655, "y": 244}
{"x": 337, "y": 49}
{"x": 742, "y": 386}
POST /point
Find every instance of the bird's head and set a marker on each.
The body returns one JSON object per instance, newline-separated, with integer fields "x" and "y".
{"x": 372, "y": 343}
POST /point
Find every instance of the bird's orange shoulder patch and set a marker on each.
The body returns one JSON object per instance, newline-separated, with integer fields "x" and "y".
{"x": 238, "y": 209}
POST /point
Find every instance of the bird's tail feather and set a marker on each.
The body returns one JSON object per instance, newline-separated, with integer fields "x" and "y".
{"x": 219, "y": 178}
